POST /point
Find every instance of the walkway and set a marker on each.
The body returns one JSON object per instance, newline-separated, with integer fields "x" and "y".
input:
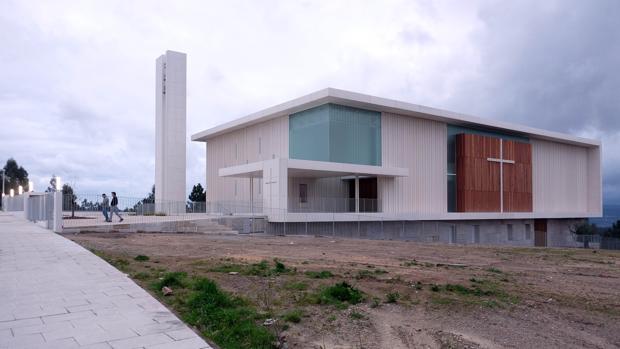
{"x": 56, "y": 294}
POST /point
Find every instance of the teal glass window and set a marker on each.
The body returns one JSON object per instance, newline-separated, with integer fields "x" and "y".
{"x": 336, "y": 133}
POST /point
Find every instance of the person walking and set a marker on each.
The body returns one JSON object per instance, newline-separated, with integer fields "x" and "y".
{"x": 105, "y": 207}
{"x": 114, "y": 209}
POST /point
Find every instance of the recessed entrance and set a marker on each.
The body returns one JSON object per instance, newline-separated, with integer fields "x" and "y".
{"x": 367, "y": 194}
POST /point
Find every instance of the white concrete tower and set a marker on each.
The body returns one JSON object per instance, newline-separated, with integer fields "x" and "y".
{"x": 170, "y": 131}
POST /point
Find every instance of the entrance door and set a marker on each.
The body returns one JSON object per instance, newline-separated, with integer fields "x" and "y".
{"x": 368, "y": 194}
{"x": 540, "y": 232}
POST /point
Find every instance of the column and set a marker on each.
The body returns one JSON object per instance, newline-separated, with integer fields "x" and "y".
{"x": 357, "y": 194}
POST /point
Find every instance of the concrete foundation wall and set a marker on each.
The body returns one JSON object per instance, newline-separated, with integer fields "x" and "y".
{"x": 491, "y": 232}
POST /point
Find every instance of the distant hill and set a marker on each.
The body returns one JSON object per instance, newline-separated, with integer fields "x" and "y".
{"x": 611, "y": 214}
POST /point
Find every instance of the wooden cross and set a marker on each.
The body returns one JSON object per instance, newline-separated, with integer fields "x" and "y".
{"x": 501, "y": 162}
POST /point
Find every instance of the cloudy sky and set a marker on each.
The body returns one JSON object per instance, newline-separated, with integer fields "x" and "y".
{"x": 77, "y": 78}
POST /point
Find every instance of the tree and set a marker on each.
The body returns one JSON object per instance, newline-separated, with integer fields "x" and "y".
{"x": 15, "y": 176}
{"x": 69, "y": 199}
{"x": 584, "y": 228}
{"x": 198, "y": 194}
{"x": 52, "y": 186}
{"x": 147, "y": 200}
{"x": 614, "y": 231}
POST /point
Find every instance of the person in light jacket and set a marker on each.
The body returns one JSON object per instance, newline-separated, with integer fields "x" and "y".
{"x": 114, "y": 209}
{"x": 105, "y": 207}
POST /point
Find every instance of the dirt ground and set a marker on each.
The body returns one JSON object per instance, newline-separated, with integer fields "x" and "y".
{"x": 416, "y": 295}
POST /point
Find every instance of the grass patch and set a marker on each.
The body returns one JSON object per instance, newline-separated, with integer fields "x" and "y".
{"x": 323, "y": 274}
{"x": 296, "y": 285}
{"x": 231, "y": 322}
{"x": 494, "y": 270}
{"x": 120, "y": 264}
{"x": 339, "y": 293}
{"x": 262, "y": 268}
{"x": 357, "y": 316}
{"x": 392, "y": 297}
{"x": 366, "y": 274}
{"x": 141, "y": 276}
{"x": 481, "y": 292}
{"x": 293, "y": 316}
{"x": 227, "y": 268}
{"x": 410, "y": 263}
{"x": 141, "y": 258}
{"x": 174, "y": 280}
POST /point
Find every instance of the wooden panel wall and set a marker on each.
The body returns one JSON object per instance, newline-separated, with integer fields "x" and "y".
{"x": 477, "y": 179}
{"x": 478, "y": 182}
{"x": 517, "y": 176}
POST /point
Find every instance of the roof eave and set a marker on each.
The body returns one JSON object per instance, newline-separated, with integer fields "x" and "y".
{"x": 354, "y": 99}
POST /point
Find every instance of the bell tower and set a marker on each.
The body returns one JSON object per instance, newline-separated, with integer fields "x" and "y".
{"x": 170, "y": 131}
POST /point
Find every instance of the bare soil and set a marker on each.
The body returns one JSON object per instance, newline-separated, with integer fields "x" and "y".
{"x": 447, "y": 296}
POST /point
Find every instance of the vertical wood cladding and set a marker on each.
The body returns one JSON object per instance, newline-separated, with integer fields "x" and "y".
{"x": 517, "y": 177}
{"x": 478, "y": 179}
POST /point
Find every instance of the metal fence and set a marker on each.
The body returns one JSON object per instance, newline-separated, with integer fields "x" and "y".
{"x": 598, "y": 241}
{"x": 40, "y": 207}
{"x": 14, "y": 203}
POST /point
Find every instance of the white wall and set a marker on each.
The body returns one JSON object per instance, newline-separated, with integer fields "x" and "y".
{"x": 421, "y": 146}
{"x": 258, "y": 142}
{"x": 564, "y": 177}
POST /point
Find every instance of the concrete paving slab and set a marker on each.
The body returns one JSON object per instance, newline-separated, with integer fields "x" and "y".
{"x": 57, "y": 294}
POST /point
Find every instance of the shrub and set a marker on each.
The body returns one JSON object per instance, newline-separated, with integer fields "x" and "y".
{"x": 392, "y": 297}
{"x": 293, "y": 316}
{"x": 279, "y": 268}
{"x": 357, "y": 316}
{"x": 375, "y": 302}
{"x": 141, "y": 258}
{"x": 340, "y": 292}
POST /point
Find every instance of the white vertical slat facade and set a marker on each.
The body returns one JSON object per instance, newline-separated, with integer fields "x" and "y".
{"x": 559, "y": 177}
{"x": 419, "y": 145}
{"x": 263, "y": 141}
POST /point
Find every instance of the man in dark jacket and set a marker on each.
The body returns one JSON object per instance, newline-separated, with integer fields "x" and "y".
{"x": 114, "y": 208}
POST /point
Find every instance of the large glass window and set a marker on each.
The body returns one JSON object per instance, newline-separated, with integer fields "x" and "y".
{"x": 336, "y": 133}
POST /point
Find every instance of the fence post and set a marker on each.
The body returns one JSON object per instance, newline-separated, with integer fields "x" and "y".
{"x": 25, "y": 197}
{"x": 58, "y": 212}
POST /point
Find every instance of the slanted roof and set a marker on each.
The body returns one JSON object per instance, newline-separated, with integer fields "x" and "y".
{"x": 359, "y": 100}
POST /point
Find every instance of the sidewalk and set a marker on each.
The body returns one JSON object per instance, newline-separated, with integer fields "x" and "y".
{"x": 56, "y": 294}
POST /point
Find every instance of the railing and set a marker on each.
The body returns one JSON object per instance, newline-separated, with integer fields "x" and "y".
{"x": 332, "y": 204}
